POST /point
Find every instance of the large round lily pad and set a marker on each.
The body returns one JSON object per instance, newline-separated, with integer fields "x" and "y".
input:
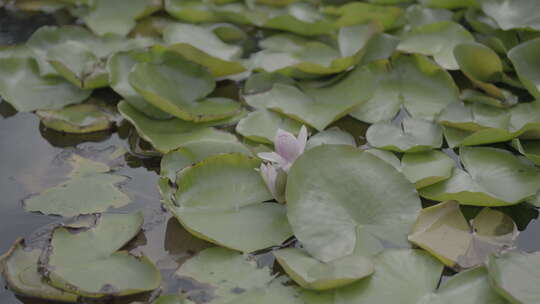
{"x": 515, "y": 276}
{"x": 335, "y": 193}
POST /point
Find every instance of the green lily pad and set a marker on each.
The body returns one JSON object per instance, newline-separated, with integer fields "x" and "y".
{"x": 196, "y": 151}
{"x": 117, "y": 16}
{"x": 412, "y": 135}
{"x": 449, "y": 4}
{"x": 89, "y": 264}
{"x": 48, "y": 37}
{"x": 90, "y": 189}
{"x": 331, "y": 136}
{"x": 415, "y": 82}
{"x": 222, "y": 276}
{"x": 513, "y": 14}
{"x": 23, "y": 87}
{"x": 495, "y": 178}
{"x": 317, "y": 106}
{"x": 194, "y": 11}
{"x": 21, "y": 271}
{"x": 78, "y": 64}
{"x": 476, "y": 123}
{"x": 203, "y": 46}
{"x": 168, "y": 135}
{"x": 169, "y": 299}
{"x": 262, "y": 125}
{"x": 527, "y": 65}
{"x": 180, "y": 87}
{"x": 401, "y": 276}
{"x": 426, "y": 168}
{"x": 118, "y": 66}
{"x": 332, "y": 204}
{"x": 81, "y": 118}
{"x": 479, "y": 62}
{"x": 304, "y": 58}
{"x": 508, "y": 99}
{"x": 310, "y": 273}
{"x": 529, "y": 148}
{"x": 443, "y": 231}
{"x": 437, "y": 40}
{"x": 514, "y": 276}
{"x": 206, "y": 206}
{"x": 418, "y": 15}
{"x": 361, "y": 13}
{"x": 411, "y": 277}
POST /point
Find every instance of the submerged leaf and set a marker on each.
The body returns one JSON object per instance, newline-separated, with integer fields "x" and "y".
{"x": 90, "y": 189}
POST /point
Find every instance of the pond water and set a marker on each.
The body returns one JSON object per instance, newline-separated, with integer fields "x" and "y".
{"x": 33, "y": 158}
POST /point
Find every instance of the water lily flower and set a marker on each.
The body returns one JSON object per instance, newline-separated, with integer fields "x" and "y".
{"x": 275, "y": 179}
{"x": 288, "y": 148}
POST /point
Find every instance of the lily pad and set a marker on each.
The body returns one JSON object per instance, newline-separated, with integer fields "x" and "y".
{"x": 514, "y": 276}
{"x": 317, "y": 106}
{"x": 310, "y": 273}
{"x": 495, "y": 177}
{"x": 511, "y": 14}
{"x": 418, "y": 15}
{"x": 196, "y": 151}
{"x": 426, "y": 168}
{"x": 90, "y": 189}
{"x": 415, "y": 82}
{"x": 411, "y": 277}
{"x": 443, "y": 231}
{"x": 331, "y": 136}
{"x": 262, "y": 125}
{"x": 118, "y": 66}
{"x": 180, "y": 87}
{"x": 117, "y": 16}
{"x": 89, "y": 264}
{"x": 527, "y": 64}
{"x": 412, "y": 135}
{"x": 206, "y": 206}
{"x": 221, "y": 276}
{"x": 81, "y": 118}
{"x": 168, "y": 135}
{"x": 304, "y": 58}
{"x": 328, "y": 214}
{"x": 437, "y": 40}
{"x": 21, "y": 271}
{"x": 48, "y": 37}
{"x": 23, "y": 87}
{"x": 450, "y": 4}
{"x": 529, "y": 148}
{"x": 203, "y": 46}
{"x": 360, "y": 13}
{"x": 476, "y": 123}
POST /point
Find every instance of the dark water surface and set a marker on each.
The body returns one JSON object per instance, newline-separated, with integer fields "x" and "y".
{"x": 33, "y": 158}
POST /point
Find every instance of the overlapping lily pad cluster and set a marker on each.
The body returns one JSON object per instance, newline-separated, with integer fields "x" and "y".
{"x": 408, "y": 103}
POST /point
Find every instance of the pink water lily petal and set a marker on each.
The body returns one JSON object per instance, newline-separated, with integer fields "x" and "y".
{"x": 286, "y": 145}
{"x": 269, "y": 175}
{"x": 273, "y": 157}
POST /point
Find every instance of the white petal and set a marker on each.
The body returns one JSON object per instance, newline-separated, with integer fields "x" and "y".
{"x": 302, "y": 138}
